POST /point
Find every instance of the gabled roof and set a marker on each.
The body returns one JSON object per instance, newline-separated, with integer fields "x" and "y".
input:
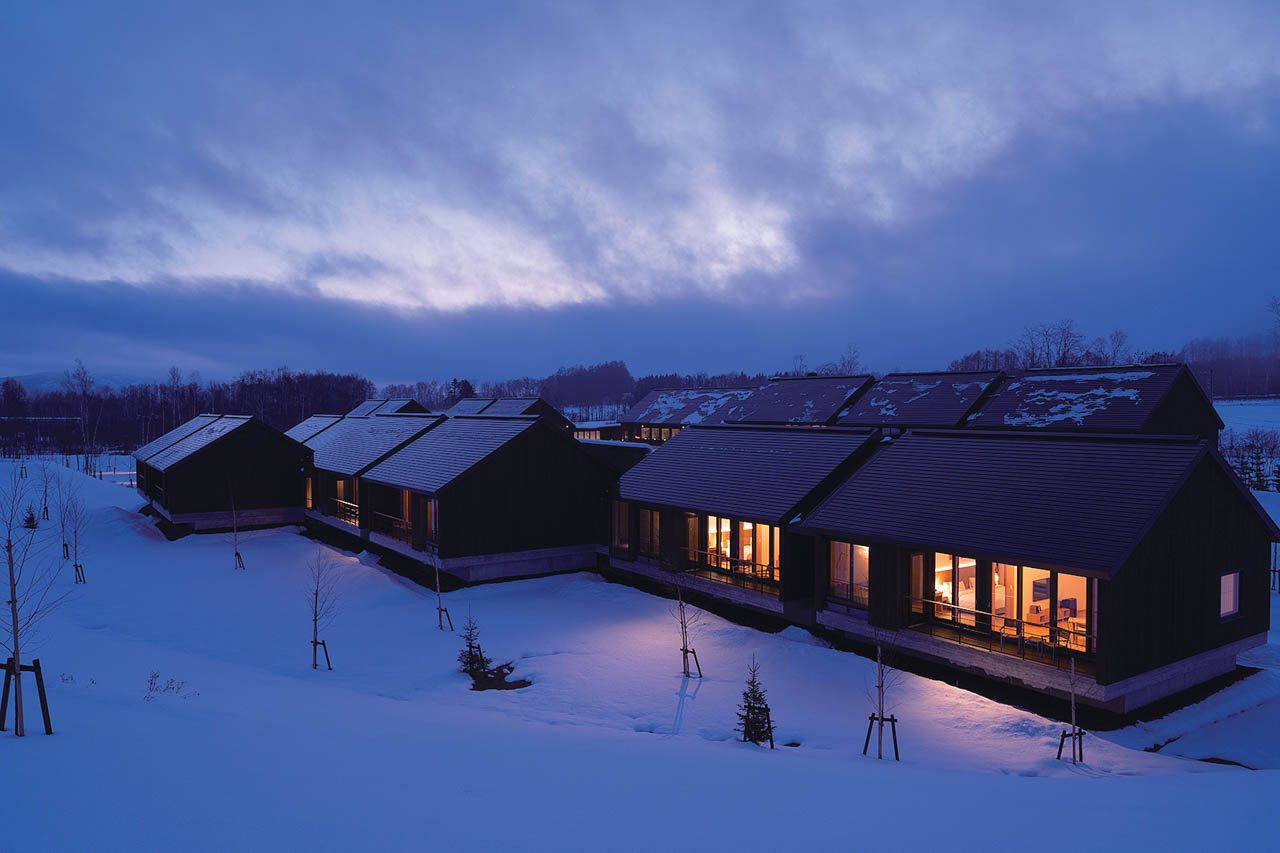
{"x": 1099, "y": 399}
{"x": 355, "y": 443}
{"x": 683, "y": 406}
{"x": 201, "y": 438}
{"x": 172, "y": 437}
{"x": 434, "y": 459}
{"x": 1049, "y": 499}
{"x": 751, "y": 472}
{"x": 311, "y": 427}
{"x": 796, "y": 400}
{"x": 921, "y": 399}
{"x": 405, "y": 406}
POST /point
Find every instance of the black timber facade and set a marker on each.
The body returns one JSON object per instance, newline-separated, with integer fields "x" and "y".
{"x": 219, "y": 471}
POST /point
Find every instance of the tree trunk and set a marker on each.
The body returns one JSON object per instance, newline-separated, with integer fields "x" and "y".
{"x": 879, "y": 702}
{"x": 315, "y": 625}
{"x": 19, "y": 727}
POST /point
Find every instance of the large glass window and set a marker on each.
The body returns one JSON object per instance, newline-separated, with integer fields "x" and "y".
{"x": 719, "y": 541}
{"x": 840, "y": 574}
{"x": 1004, "y": 598}
{"x": 944, "y": 586}
{"x": 1229, "y": 595}
{"x": 966, "y": 592}
{"x": 1036, "y": 615}
{"x": 310, "y": 504}
{"x": 1072, "y": 611}
{"x": 433, "y": 519}
{"x": 621, "y": 527}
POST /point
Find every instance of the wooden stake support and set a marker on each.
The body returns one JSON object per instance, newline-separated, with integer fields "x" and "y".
{"x": 442, "y": 614}
{"x": 239, "y": 561}
{"x": 80, "y": 573}
{"x": 33, "y": 668}
{"x": 687, "y": 653}
{"x": 321, "y": 644}
{"x": 893, "y": 727}
{"x": 1077, "y": 744}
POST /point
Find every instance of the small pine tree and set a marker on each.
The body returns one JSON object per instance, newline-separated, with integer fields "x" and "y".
{"x": 29, "y": 520}
{"x": 755, "y": 721}
{"x": 471, "y": 659}
{"x": 1275, "y": 478}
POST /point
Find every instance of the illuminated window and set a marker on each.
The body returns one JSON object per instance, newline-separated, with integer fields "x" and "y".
{"x": 1229, "y": 594}
{"x": 850, "y": 572}
{"x": 433, "y": 519}
{"x": 1004, "y": 598}
{"x": 1072, "y": 611}
{"x": 1037, "y": 614}
{"x": 310, "y": 504}
{"x": 944, "y": 586}
{"x": 621, "y": 529}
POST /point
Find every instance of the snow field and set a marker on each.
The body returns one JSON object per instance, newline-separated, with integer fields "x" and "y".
{"x": 610, "y": 749}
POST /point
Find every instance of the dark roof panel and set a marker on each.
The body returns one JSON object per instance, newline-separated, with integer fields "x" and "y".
{"x": 1059, "y": 500}
{"x": 368, "y": 407}
{"x": 802, "y": 400}
{"x": 354, "y": 443}
{"x": 1102, "y": 399}
{"x": 311, "y": 427}
{"x": 470, "y": 406}
{"x": 401, "y": 407}
{"x": 685, "y": 406}
{"x": 173, "y": 436}
{"x": 197, "y": 440}
{"x": 920, "y": 399}
{"x": 757, "y": 473}
{"x": 431, "y": 461}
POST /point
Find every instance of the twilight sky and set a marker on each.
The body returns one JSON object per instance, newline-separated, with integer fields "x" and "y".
{"x": 416, "y": 190}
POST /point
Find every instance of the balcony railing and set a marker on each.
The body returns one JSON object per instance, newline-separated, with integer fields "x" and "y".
{"x": 857, "y": 594}
{"x": 725, "y": 569}
{"x": 1030, "y": 639}
{"x": 345, "y": 511}
{"x": 393, "y": 526}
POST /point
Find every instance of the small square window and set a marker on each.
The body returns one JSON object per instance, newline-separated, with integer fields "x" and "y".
{"x": 1229, "y": 595}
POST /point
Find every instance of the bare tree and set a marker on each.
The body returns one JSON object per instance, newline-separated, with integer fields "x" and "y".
{"x": 73, "y": 521}
{"x": 688, "y": 620}
{"x": 887, "y": 679}
{"x": 32, "y": 577}
{"x": 324, "y": 592}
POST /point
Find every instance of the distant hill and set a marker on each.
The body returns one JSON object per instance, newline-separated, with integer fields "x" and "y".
{"x": 51, "y": 380}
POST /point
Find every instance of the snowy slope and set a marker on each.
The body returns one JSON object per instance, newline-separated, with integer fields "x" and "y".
{"x": 609, "y": 749}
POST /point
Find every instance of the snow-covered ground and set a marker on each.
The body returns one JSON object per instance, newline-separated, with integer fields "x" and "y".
{"x": 610, "y": 749}
{"x": 1242, "y": 415}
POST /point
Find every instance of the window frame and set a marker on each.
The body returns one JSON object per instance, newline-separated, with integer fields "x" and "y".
{"x": 1235, "y": 612}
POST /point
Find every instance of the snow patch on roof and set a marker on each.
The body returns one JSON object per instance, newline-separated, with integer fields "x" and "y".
{"x": 1061, "y": 406}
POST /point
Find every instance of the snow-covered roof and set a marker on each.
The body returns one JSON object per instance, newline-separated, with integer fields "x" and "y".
{"x": 312, "y": 426}
{"x": 173, "y": 436}
{"x": 197, "y": 440}
{"x": 921, "y": 399}
{"x": 1108, "y": 399}
{"x": 354, "y": 443}
{"x": 796, "y": 400}
{"x": 684, "y": 406}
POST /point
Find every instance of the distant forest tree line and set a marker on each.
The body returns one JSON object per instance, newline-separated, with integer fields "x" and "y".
{"x": 84, "y": 416}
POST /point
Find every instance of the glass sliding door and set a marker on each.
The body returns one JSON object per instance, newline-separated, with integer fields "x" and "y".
{"x": 839, "y": 573}
{"x": 1037, "y": 616}
{"x": 1004, "y": 599}
{"x": 966, "y": 591}
{"x": 944, "y": 587}
{"x": 1071, "y": 610}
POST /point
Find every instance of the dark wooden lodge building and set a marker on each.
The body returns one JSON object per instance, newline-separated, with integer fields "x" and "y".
{"x": 486, "y": 497}
{"x": 343, "y": 450}
{"x": 1141, "y": 561}
{"x": 712, "y": 510}
{"x": 218, "y": 470}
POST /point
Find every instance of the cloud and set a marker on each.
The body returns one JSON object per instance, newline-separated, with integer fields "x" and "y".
{"x": 548, "y": 156}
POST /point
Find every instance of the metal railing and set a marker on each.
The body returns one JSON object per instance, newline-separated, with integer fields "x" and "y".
{"x": 1045, "y": 642}
{"x": 722, "y": 568}
{"x": 345, "y": 511}
{"x": 394, "y": 526}
{"x": 857, "y": 594}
